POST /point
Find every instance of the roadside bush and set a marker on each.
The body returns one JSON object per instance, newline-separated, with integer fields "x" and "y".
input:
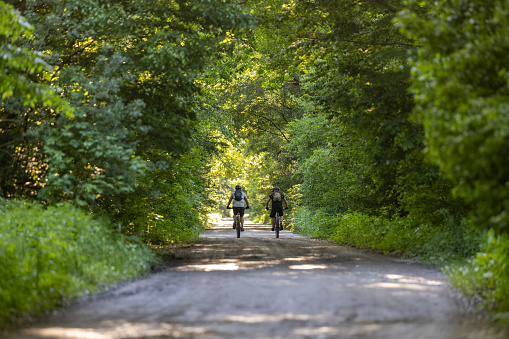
{"x": 452, "y": 242}
{"x": 171, "y": 203}
{"x": 51, "y": 254}
{"x": 486, "y": 276}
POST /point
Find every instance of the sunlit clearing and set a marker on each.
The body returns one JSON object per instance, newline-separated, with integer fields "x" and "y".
{"x": 213, "y": 218}
{"x": 308, "y": 267}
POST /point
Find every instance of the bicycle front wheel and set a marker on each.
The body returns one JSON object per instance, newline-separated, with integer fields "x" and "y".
{"x": 276, "y": 228}
{"x": 237, "y": 225}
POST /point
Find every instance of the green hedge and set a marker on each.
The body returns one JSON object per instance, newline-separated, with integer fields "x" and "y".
{"x": 51, "y": 254}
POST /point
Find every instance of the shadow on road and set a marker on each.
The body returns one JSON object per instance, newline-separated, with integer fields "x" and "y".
{"x": 258, "y": 286}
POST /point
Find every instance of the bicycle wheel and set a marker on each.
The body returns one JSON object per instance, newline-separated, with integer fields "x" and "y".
{"x": 276, "y": 227}
{"x": 237, "y": 225}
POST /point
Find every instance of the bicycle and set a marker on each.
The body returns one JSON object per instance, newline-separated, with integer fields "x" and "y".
{"x": 236, "y": 219}
{"x": 278, "y": 223}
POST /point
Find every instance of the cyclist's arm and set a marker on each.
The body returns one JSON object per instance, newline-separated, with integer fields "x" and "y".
{"x": 267, "y": 203}
{"x": 286, "y": 202}
{"x": 229, "y": 202}
{"x": 247, "y": 202}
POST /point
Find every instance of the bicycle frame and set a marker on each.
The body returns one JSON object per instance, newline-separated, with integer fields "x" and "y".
{"x": 278, "y": 224}
{"x": 236, "y": 219}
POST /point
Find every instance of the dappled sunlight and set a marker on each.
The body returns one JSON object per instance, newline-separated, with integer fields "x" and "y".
{"x": 406, "y": 279}
{"x": 215, "y": 267}
{"x": 225, "y": 287}
{"x": 127, "y": 329}
{"x": 308, "y": 267}
{"x": 398, "y": 286}
{"x": 319, "y": 332}
{"x": 60, "y": 332}
{"x": 400, "y": 283}
{"x": 118, "y": 329}
{"x": 296, "y": 259}
{"x": 261, "y": 318}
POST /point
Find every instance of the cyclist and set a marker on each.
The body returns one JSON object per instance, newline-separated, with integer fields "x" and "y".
{"x": 238, "y": 198}
{"x": 277, "y": 205}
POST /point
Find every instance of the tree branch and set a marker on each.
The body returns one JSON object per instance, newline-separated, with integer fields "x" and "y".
{"x": 275, "y": 126}
{"x": 384, "y": 4}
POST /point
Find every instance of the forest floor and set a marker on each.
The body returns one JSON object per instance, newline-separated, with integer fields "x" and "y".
{"x": 262, "y": 287}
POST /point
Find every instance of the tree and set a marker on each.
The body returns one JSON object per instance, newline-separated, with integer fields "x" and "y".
{"x": 460, "y": 82}
{"x": 19, "y": 93}
{"x": 130, "y": 70}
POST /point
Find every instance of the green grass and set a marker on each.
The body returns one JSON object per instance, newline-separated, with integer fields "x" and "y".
{"x": 428, "y": 243}
{"x": 53, "y": 254}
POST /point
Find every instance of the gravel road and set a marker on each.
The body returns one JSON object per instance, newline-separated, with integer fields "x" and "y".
{"x": 262, "y": 287}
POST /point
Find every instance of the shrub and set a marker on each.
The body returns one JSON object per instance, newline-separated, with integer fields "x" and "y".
{"x": 51, "y": 254}
{"x": 171, "y": 203}
{"x": 450, "y": 242}
{"x": 486, "y": 276}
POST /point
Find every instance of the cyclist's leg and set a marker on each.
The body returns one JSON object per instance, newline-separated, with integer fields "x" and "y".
{"x": 281, "y": 217}
{"x": 273, "y": 217}
{"x": 235, "y": 215}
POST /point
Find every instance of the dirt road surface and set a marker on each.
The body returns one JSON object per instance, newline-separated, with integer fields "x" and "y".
{"x": 262, "y": 287}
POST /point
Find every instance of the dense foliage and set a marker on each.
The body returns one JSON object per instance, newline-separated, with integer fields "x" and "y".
{"x": 461, "y": 83}
{"x": 130, "y": 72}
{"x": 383, "y": 121}
{"x": 379, "y": 150}
{"x": 461, "y": 87}
{"x": 52, "y": 254}
{"x": 101, "y": 109}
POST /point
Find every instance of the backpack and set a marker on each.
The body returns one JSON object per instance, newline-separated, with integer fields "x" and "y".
{"x": 276, "y": 196}
{"x": 237, "y": 195}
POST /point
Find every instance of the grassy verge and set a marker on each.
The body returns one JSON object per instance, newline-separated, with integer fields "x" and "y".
{"x": 429, "y": 244}
{"x": 485, "y": 277}
{"x": 53, "y": 254}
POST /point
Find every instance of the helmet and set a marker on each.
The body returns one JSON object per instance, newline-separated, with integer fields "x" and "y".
{"x": 238, "y": 187}
{"x": 275, "y": 189}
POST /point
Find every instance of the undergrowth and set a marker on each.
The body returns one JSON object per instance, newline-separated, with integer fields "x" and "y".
{"x": 485, "y": 277}
{"x": 450, "y": 243}
{"x": 53, "y": 254}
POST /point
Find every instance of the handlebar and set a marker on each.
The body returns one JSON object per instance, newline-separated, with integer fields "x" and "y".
{"x": 230, "y": 208}
{"x": 284, "y": 208}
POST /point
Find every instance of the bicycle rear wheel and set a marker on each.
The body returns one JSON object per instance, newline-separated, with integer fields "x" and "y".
{"x": 276, "y": 227}
{"x": 237, "y": 225}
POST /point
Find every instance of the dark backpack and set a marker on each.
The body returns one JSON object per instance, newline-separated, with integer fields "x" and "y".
{"x": 276, "y": 196}
{"x": 237, "y": 195}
